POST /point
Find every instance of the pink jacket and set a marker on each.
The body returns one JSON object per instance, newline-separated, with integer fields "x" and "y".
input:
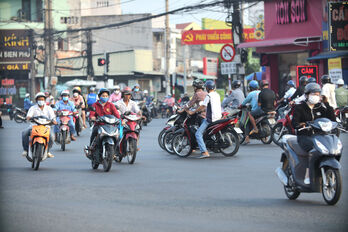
{"x": 115, "y": 97}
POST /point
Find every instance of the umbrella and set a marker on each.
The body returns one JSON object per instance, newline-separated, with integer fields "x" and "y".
{"x": 251, "y": 76}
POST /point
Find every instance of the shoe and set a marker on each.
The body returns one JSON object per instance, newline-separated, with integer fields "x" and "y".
{"x": 24, "y": 153}
{"x": 50, "y": 155}
{"x": 253, "y": 131}
{"x": 73, "y": 138}
{"x": 204, "y": 155}
{"x": 307, "y": 181}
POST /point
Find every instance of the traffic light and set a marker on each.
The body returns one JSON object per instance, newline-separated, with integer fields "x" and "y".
{"x": 107, "y": 61}
{"x": 101, "y": 61}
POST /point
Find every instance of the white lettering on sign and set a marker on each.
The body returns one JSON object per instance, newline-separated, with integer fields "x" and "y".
{"x": 10, "y": 54}
{"x": 290, "y": 11}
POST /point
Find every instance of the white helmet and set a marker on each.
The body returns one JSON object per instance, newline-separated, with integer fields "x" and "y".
{"x": 27, "y": 95}
{"x": 340, "y": 82}
{"x": 145, "y": 91}
{"x": 117, "y": 87}
{"x": 40, "y": 94}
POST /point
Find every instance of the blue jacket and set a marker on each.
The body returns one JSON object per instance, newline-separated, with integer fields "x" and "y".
{"x": 91, "y": 99}
{"x": 27, "y": 103}
{"x": 68, "y": 106}
{"x": 252, "y": 98}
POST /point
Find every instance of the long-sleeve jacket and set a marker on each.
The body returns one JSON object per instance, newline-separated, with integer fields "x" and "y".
{"x": 303, "y": 113}
{"x": 197, "y": 98}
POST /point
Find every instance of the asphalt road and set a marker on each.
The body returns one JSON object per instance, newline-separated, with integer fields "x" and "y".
{"x": 160, "y": 192}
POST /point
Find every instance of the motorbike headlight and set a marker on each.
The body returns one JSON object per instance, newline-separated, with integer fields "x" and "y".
{"x": 326, "y": 126}
{"x": 321, "y": 146}
{"x": 339, "y": 148}
{"x": 137, "y": 127}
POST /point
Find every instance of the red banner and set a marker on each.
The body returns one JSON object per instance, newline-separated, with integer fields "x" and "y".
{"x": 196, "y": 37}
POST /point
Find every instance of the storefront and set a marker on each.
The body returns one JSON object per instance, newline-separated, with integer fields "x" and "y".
{"x": 293, "y": 33}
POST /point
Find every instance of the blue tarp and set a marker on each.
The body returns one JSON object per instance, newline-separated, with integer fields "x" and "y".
{"x": 251, "y": 76}
{"x": 328, "y": 55}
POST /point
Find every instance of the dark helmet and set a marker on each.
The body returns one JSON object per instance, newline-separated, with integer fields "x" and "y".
{"x": 198, "y": 83}
{"x": 312, "y": 88}
{"x": 236, "y": 84}
{"x": 103, "y": 90}
{"x": 303, "y": 80}
{"x": 325, "y": 79}
{"x": 253, "y": 84}
{"x": 127, "y": 90}
{"x": 210, "y": 85}
{"x": 312, "y": 80}
{"x": 264, "y": 83}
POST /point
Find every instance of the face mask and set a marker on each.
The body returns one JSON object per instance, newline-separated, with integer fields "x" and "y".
{"x": 75, "y": 94}
{"x": 117, "y": 91}
{"x": 65, "y": 98}
{"x": 104, "y": 99}
{"x": 41, "y": 103}
{"x": 136, "y": 90}
{"x": 313, "y": 99}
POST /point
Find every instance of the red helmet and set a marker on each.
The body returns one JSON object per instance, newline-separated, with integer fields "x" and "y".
{"x": 127, "y": 90}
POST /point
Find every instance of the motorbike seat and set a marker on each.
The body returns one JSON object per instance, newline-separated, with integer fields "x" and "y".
{"x": 218, "y": 121}
{"x": 292, "y": 141}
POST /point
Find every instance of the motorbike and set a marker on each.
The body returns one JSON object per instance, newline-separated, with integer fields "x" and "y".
{"x": 220, "y": 136}
{"x": 102, "y": 149}
{"x": 264, "y": 125}
{"x": 322, "y": 160}
{"x": 78, "y": 121}
{"x": 173, "y": 120}
{"x": 39, "y": 138}
{"x": 63, "y": 136}
{"x": 283, "y": 125}
{"x": 127, "y": 146}
{"x": 19, "y": 115}
{"x": 146, "y": 111}
{"x": 342, "y": 117}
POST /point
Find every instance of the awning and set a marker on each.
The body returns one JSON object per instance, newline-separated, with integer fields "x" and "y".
{"x": 328, "y": 55}
{"x": 202, "y": 76}
{"x": 251, "y": 76}
{"x": 302, "y": 41}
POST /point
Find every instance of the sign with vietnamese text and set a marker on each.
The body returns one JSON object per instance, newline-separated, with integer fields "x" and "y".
{"x": 228, "y": 68}
{"x": 290, "y": 11}
{"x": 335, "y": 69}
{"x": 307, "y": 70}
{"x": 210, "y": 66}
{"x": 196, "y": 37}
{"x": 338, "y": 13}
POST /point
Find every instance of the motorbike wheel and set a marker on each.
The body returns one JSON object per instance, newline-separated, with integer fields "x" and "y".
{"x": 77, "y": 127}
{"x": 131, "y": 150}
{"x": 62, "y": 145}
{"x": 267, "y": 127}
{"x": 181, "y": 145}
{"x": 278, "y": 131}
{"x": 289, "y": 190}
{"x": 332, "y": 192}
{"x": 17, "y": 118}
{"x": 167, "y": 142}
{"x": 118, "y": 159}
{"x": 107, "y": 161}
{"x": 95, "y": 165}
{"x": 233, "y": 139}
{"x": 37, "y": 154}
{"x": 160, "y": 138}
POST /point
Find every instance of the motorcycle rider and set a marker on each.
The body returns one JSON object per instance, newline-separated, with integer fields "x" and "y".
{"x": 91, "y": 97}
{"x": 212, "y": 106}
{"x": 267, "y": 99}
{"x": 102, "y": 107}
{"x": 79, "y": 102}
{"x": 236, "y": 97}
{"x": 126, "y": 104}
{"x": 341, "y": 94}
{"x": 27, "y": 102}
{"x": 49, "y": 98}
{"x": 66, "y": 104}
{"x": 252, "y": 98}
{"x": 307, "y": 111}
{"x": 137, "y": 95}
{"x": 290, "y": 92}
{"x": 39, "y": 109}
{"x": 328, "y": 90}
{"x": 312, "y": 80}
{"x": 300, "y": 90}
{"x": 197, "y": 98}
{"x": 116, "y": 95}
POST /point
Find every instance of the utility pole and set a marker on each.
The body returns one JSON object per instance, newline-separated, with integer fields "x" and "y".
{"x": 49, "y": 47}
{"x": 32, "y": 65}
{"x": 90, "y": 70}
{"x": 167, "y": 50}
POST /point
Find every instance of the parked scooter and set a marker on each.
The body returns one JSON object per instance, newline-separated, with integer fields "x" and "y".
{"x": 102, "y": 149}
{"x": 39, "y": 138}
{"x": 128, "y": 147}
{"x": 63, "y": 136}
{"x": 20, "y": 115}
{"x": 322, "y": 160}
{"x": 283, "y": 125}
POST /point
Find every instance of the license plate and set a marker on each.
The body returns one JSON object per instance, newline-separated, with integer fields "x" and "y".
{"x": 272, "y": 121}
{"x": 238, "y": 130}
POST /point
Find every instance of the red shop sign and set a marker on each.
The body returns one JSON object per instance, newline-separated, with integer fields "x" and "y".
{"x": 308, "y": 71}
{"x": 7, "y": 82}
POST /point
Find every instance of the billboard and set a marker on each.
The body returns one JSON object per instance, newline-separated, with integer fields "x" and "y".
{"x": 338, "y": 25}
{"x": 195, "y": 37}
